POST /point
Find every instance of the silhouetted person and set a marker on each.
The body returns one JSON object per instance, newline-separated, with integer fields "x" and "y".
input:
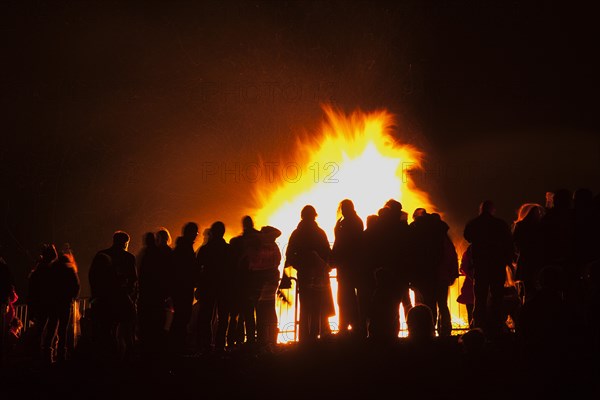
{"x": 240, "y": 330}
{"x": 165, "y": 255}
{"x": 419, "y": 212}
{"x": 396, "y": 208}
{"x": 435, "y": 265}
{"x": 492, "y": 250}
{"x": 529, "y": 246}
{"x": 393, "y": 249}
{"x": 558, "y": 234}
{"x": 347, "y": 259}
{"x": 307, "y": 252}
{"x": 163, "y": 243}
{"x": 182, "y": 286}
{"x": 36, "y": 306}
{"x": 425, "y": 352}
{"x": 264, "y": 258}
{"x": 59, "y": 291}
{"x": 105, "y": 300}
{"x": 125, "y": 265}
{"x": 153, "y": 293}
{"x": 473, "y": 343}
{"x": 369, "y": 265}
{"x": 420, "y": 324}
{"x": 213, "y": 258}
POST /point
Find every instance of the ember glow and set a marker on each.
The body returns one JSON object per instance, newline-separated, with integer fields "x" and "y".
{"x": 356, "y": 157}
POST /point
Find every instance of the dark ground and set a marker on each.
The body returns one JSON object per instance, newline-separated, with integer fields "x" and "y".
{"x": 331, "y": 369}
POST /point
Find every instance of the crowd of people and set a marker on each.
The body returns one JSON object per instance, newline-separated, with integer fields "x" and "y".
{"x": 53, "y": 286}
{"x": 144, "y": 304}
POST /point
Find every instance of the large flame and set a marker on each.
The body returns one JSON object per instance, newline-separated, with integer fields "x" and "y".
{"x": 355, "y": 157}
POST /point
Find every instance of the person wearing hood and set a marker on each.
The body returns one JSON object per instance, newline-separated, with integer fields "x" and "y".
{"x": 264, "y": 258}
{"x": 435, "y": 264}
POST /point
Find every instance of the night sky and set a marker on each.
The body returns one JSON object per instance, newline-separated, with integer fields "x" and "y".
{"x": 113, "y": 110}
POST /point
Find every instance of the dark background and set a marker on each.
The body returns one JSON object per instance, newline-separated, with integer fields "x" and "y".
{"x": 112, "y": 110}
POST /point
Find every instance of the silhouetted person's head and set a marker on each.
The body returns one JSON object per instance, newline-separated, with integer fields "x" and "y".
{"x": 419, "y": 321}
{"x": 418, "y": 213}
{"x": 190, "y": 231}
{"x": 121, "y": 240}
{"x": 308, "y": 213}
{"x": 67, "y": 259}
{"x": 562, "y": 199}
{"x": 395, "y": 207}
{"x": 530, "y": 212}
{"x": 535, "y": 213}
{"x": 163, "y": 237}
{"x": 270, "y": 233}
{"x": 472, "y": 341}
{"x": 487, "y": 207}
{"x": 347, "y": 207}
{"x": 383, "y": 212}
{"x": 48, "y": 252}
{"x": 217, "y": 230}
{"x": 371, "y": 220}
{"x": 149, "y": 239}
{"x": 247, "y": 223}
{"x": 206, "y": 235}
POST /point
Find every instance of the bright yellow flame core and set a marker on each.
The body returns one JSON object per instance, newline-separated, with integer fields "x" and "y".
{"x": 356, "y": 158}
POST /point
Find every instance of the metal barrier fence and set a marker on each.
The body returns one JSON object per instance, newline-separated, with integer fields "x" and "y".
{"x": 78, "y": 311}
{"x": 287, "y": 311}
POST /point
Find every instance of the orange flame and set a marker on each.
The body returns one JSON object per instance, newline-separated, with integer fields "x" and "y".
{"x": 357, "y": 158}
